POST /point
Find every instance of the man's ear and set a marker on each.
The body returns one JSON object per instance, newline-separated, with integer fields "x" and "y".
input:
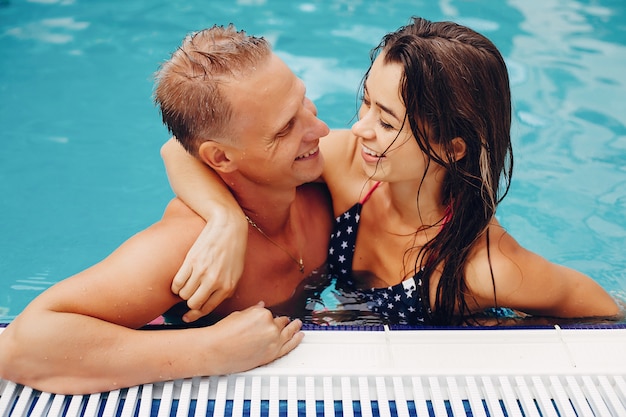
{"x": 217, "y": 155}
{"x": 459, "y": 148}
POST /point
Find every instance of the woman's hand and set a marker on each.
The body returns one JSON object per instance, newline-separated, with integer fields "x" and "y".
{"x": 213, "y": 265}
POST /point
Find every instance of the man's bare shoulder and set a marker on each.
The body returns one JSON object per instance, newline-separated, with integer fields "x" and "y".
{"x": 178, "y": 211}
{"x": 174, "y": 233}
{"x": 177, "y": 208}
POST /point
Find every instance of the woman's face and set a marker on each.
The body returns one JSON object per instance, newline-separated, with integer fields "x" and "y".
{"x": 389, "y": 151}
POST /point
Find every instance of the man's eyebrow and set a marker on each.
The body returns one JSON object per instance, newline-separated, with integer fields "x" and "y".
{"x": 287, "y": 126}
{"x": 383, "y": 107}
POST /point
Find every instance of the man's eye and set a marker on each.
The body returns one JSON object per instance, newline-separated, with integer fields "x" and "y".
{"x": 285, "y": 130}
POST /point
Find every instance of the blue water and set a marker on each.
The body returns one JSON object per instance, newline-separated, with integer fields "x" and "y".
{"x": 80, "y": 169}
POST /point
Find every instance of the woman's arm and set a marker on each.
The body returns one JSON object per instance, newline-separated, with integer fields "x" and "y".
{"x": 210, "y": 271}
{"x": 214, "y": 264}
{"x": 528, "y": 282}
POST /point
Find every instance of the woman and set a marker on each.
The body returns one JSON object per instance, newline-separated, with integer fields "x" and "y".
{"x": 420, "y": 175}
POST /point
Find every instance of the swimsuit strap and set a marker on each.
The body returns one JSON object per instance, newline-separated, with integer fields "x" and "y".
{"x": 447, "y": 215}
{"x": 369, "y": 193}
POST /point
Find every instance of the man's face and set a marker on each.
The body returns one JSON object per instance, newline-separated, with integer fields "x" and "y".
{"x": 275, "y": 128}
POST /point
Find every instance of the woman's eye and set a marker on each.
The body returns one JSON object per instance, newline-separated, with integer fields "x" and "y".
{"x": 386, "y": 126}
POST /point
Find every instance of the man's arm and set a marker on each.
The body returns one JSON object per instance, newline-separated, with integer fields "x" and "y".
{"x": 79, "y": 336}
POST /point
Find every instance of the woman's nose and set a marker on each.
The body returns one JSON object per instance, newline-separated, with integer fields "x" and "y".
{"x": 363, "y": 127}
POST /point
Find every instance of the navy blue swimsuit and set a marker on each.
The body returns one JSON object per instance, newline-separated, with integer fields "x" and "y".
{"x": 397, "y": 304}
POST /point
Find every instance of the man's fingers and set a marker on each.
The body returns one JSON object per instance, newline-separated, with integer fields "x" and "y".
{"x": 290, "y": 344}
{"x": 292, "y": 336}
{"x": 283, "y": 321}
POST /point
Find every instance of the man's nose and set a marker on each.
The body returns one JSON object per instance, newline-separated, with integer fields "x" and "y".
{"x": 319, "y": 128}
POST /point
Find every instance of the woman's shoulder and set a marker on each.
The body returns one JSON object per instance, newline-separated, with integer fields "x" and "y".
{"x": 336, "y": 146}
{"x": 342, "y": 167}
{"x": 518, "y": 278}
{"x": 496, "y": 259}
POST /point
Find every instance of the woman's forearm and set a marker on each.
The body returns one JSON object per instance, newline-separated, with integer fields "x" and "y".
{"x": 197, "y": 184}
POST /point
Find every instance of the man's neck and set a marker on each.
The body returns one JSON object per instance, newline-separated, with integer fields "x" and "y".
{"x": 269, "y": 208}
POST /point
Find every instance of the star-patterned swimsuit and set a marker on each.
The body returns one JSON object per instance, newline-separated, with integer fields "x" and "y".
{"x": 397, "y": 304}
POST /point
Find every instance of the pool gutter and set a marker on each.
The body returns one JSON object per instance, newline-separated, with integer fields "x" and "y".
{"x": 505, "y": 370}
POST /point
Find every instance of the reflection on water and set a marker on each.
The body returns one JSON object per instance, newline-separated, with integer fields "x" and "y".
{"x": 322, "y": 299}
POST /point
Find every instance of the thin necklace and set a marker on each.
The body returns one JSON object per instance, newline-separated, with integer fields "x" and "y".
{"x": 298, "y": 261}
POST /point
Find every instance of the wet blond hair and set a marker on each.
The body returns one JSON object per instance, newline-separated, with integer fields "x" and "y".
{"x": 188, "y": 87}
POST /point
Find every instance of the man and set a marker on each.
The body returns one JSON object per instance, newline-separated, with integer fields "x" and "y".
{"x": 236, "y": 106}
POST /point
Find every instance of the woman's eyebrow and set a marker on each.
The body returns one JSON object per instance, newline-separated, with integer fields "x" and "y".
{"x": 388, "y": 110}
{"x": 383, "y": 107}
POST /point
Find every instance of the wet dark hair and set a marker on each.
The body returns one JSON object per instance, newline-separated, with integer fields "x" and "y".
{"x": 455, "y": 84}
{"x": 188, "y": 92}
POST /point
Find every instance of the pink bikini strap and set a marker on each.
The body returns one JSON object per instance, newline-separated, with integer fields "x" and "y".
{"x": 447, "y": 215}
{"x": 369, "y": 193}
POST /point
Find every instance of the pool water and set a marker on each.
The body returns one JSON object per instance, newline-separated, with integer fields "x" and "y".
{"x": 80, "y": 169}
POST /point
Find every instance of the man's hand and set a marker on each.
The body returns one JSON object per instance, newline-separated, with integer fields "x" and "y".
{"x": 213, "y": 265}
{"x": 253, "y": 337}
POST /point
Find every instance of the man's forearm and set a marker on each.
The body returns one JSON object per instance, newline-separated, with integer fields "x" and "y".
{"x": 75, "y": 354}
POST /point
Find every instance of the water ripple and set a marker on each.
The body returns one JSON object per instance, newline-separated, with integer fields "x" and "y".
{"x": 49, "y": 30}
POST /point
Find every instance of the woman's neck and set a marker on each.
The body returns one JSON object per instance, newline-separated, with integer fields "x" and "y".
{"x": 413, "y": 205}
